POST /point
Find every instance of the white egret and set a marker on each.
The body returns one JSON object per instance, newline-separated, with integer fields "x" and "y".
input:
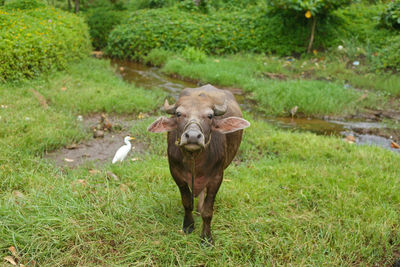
{"x": 123, "y": 151}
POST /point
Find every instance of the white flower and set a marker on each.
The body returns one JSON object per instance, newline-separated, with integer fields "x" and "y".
{"x": 340, "y": 47}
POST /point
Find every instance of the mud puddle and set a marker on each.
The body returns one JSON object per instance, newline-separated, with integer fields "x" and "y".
{"x": 365, "y": 131}
{"x": 97, "y": 150}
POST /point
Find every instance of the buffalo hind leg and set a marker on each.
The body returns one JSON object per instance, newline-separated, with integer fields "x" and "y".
{"x": 188, "y": 222}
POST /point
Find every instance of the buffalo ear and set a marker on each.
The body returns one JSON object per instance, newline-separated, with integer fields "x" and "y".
{"x": 162, "y": 124}
{"x": 230, "y": 124}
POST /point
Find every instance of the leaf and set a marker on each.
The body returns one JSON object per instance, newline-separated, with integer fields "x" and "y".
{"x": 112, "y": 175}
{"x": 395, "y": 145}
{"x": 10, "y": 260}
{"x": 350, "y": 139}
{"x": 68, "y": 160}
{"x": 17, "y": 193}
{"x": 63, "y": 88}
{"x": 13, "y": 251}
{"x": 93, "y": 171}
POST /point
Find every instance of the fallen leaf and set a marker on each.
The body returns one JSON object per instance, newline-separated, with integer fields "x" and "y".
{"x": 68, "y": 160}
{"x": 350, "y": 139}
{"x": 17, "y": 193}
{"x": 134, "y": 159}
{"x": 112, "y": 175}
{"x": 94, "y": 171}
{"x": 72, "y": 146}
{"x": 395, "y": 145}
{"x": 10, "y": 260}
{"x": 13, "y": 251}
{"x": 21, "y": 265}
{"x": 63, "y": 88}
{"x": 123, "y": 187}
{"x": 216, "y": 60}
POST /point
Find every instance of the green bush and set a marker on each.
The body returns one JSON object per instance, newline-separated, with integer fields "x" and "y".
{"x": 390, "y": 18}
{"x": 37, "y": 40}
{"x": 251, "y": 30}
{"x": 157, "y": 57}
{"x": 192, "y": 54}
{"x": 101, "y": 21}
{"x": 389, "y": 55}
{"x": 24, "y": 4}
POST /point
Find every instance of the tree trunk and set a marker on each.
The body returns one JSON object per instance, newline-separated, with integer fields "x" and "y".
{"x": 314, "y": 22}
{"x": 69, "y": 6}
{"x": 76, "y": 6}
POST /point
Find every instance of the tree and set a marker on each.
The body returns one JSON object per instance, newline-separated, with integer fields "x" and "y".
{"x": 76, "y": 6}
{"x": 311, "y": 9}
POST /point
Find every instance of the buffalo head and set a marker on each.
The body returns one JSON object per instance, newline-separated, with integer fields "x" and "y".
{"x": 194, "y": 119}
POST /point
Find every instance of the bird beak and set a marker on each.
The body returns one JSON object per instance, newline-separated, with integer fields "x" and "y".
{"x": 132, "y": 138}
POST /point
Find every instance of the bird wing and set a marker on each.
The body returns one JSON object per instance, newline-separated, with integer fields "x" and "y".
{"x": 121, "y": 153}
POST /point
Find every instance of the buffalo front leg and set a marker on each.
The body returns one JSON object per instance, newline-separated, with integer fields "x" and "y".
{"x": 188, "y": 222}
{"x": 207, "y": 212}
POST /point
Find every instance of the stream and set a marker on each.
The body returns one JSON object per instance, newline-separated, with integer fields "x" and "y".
{"x": 151, "y": 77}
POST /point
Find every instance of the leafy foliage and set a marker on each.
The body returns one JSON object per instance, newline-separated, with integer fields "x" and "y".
{"x": 389, "y": 55}
{"x": 390, "y": 18}
{"x": 193, "y": 54}
{"x": 251, "y": 30}
{"x": 302, "y": 6}
{"x": 24, "y": 4}
{"x": 101, "y": 21}
{"x": 37, "y": 40}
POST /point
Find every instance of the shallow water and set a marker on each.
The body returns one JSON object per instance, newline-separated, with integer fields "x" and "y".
{"x": 151, "y": 77}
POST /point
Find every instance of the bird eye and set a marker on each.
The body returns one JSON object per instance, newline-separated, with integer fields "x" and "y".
{"x": 178, "y": 114}
{"x": 210, "y": 116}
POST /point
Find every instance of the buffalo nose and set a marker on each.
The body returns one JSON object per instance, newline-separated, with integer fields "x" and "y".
{"x": 193, "y": 136}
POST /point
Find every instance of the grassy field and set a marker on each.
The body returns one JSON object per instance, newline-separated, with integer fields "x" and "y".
{"x": 289, "y": 199}
{"x": 317, "y": 87}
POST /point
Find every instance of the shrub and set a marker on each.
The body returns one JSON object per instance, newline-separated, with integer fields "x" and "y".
{"x": 24, "y": 4}
{"x": 389, "y": 55}
{"x": 390, "y": 18}
{"x": 142, "y": 4}
{"x": 157, "y": 57}
{"x": 101, "y": 21}
{"x": 251, "y": 30}
{"x": 193, "y": 54}
{"x": 296, "y": 10}
{"x": 37, "y": 40}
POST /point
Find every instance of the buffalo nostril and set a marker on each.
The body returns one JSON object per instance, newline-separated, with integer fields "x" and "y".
{"x": 186, "y": 135}
{"x": 198, "y": 136}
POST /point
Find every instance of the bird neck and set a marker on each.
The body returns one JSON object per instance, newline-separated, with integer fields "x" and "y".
{"x": 128, "y": 143}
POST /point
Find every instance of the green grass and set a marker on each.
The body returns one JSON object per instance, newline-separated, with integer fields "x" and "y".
{"x": 289, "y": 198}
{"x": 275, "y": 96}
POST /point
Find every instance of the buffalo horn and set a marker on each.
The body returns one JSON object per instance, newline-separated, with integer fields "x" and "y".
{"x": 170, "y": 109}
{"x": 220, "y": 110}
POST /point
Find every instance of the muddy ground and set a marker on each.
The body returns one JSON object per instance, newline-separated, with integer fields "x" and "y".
{"x": 98, "y": 150}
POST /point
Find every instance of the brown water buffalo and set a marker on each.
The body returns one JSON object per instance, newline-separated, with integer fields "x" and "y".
{"x": 204, "y": 134}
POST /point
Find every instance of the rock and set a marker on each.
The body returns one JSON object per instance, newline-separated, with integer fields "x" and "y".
{"x": 98, "y": 133}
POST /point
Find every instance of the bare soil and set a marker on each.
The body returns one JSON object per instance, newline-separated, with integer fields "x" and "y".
{"x": 98, "y": 150}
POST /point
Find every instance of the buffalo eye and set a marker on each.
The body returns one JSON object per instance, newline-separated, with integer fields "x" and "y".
{"x": 178, "y": 114}
{"x": 210, "y": 116}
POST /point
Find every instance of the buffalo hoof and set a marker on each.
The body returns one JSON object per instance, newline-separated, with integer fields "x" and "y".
{"x": 207, "y": 241}
{"x": 187, "y": 229}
